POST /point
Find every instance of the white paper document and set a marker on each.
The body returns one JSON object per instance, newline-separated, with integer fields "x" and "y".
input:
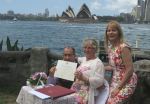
{"x": 38, "y": 94}
{"x": 65, "y": 70}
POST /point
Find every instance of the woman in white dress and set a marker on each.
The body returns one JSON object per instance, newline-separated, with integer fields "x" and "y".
{"x": 89, "y": 75}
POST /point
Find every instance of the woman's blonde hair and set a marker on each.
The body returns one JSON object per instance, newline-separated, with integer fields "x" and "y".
{"x": 116, "y": 25}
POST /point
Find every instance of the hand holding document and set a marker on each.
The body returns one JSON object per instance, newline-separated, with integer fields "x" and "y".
{"x": 65, "y": 70}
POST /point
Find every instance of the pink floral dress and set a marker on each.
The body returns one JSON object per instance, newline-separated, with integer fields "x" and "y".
{"x": 115, "y": 60}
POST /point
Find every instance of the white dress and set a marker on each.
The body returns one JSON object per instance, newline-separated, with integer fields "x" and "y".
{"x": 94, "y": 70}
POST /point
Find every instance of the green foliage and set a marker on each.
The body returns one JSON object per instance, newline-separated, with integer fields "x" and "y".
{"x": 108, "y": 18}
{"x": 8, "y": 93}
{"x": 21, "y": 48}
{"x": 8, "y": 44}
{"x": 13, "y": 47}
{"x": 1, "y": 45}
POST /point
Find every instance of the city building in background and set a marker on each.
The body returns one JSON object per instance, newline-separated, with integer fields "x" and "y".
{"x": 141, "y": 11}
{"x": 147, "y": 11}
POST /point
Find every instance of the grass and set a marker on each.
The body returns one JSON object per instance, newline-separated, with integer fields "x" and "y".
{"x": 8, "y": 94}
{"x": 7, "y": 99}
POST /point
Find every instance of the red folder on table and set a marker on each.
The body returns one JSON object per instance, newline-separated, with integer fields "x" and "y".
{"x": 55, "y": 91}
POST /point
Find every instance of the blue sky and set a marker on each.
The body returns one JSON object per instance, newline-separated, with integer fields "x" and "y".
{"x": 98, "y": 7}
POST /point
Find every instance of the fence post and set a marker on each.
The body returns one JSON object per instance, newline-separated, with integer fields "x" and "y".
{"x": 38, "y": 59}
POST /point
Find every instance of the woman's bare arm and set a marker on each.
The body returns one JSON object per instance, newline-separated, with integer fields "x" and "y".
{"x": 127, "y": 60}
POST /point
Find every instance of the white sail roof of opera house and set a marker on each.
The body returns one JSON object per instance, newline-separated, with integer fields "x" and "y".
{"x": 84, "y": 12}
{"x": 68, "y": 13}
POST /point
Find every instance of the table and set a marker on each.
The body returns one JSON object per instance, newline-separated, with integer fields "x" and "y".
{"x": 25, "y": 97}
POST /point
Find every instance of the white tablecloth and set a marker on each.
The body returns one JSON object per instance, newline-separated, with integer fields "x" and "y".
{"x": 25, "y": 97}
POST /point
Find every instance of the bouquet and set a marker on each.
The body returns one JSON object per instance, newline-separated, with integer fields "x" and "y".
{"x": 38, "y": 78}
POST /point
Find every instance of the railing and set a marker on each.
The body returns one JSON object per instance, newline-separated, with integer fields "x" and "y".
{"x": 137, "y": 53}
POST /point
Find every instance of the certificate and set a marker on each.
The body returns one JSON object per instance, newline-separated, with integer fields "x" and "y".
{"x": 65, "y": 70}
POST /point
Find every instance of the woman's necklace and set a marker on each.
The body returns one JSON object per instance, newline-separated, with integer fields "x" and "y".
{"x": 113, "y": 48}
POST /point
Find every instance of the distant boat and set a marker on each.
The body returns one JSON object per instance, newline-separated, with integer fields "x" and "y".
{"x": 14, "y": 19}
{"x": 136, "y": 23}
{"x": 63, "y": 20}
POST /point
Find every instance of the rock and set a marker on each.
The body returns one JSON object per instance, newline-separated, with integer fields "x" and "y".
{"x": 142, "y": 92}
{"x": 143, "y": 65}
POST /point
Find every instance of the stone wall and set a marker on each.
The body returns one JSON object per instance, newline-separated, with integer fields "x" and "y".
{"x": 17, "y": 66}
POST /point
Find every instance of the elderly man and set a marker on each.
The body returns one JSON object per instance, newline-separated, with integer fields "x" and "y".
{"x": 68, "y": 55}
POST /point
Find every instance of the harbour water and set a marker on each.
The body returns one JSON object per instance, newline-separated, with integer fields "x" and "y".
{"x": 56, "y": 35}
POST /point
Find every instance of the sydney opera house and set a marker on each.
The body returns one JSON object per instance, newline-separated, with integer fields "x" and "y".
{"x": 84, "y": 15}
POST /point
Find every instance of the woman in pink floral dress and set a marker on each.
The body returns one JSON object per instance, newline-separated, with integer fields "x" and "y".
{"x": 124, "y": 79}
